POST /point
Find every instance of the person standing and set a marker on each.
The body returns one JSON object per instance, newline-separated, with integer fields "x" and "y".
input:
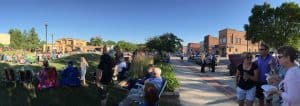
{"x": 104, "y": 74}
{"x": 213, "y": 63}
{"x": 203, "y": 63}
{"x": 106, "y": 65}
{"x": 118, "y": 55}
{"x": 264, "y": 62}
{"x": 83, "y": 65}
{"x": 246, "y": 78}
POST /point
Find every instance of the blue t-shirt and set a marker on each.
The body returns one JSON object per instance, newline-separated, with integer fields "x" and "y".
{"x": 156, "y": 81}
{"x": 263, "y": 67}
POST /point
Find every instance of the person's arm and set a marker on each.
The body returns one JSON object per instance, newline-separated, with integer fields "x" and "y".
{"x": 237, "y": 77}
{"x": 291, "y": 94}
{"x": 87, "y": 64}
{"x": 255, "y": 76}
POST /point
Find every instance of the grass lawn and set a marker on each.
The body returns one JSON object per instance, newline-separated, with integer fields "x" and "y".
{"x": 62, "y": 96}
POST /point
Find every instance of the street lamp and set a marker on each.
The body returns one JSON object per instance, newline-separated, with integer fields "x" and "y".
{"x": 46, "y": 26}
{"x": 52, "y": 44}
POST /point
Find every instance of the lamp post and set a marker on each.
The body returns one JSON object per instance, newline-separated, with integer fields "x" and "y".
{"x": 46, "y": 26}
{"x": 52, "y": 44}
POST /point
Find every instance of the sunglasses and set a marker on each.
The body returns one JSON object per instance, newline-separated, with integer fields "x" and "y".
{"x": 279, "y": 57}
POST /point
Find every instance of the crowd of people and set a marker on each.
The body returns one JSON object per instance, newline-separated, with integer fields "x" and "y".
{"x": 274, "y": 81}
{"x": 29, "y": 59}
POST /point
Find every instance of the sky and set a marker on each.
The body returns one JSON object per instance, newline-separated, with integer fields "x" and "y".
{"x": 130, "y": 20}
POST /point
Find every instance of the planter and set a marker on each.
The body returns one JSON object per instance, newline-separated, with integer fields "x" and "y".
{"x": 175, "y": 93}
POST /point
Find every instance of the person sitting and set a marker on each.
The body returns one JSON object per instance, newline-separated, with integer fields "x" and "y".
{"x": 70, "y": 76}
{"x": 47, "y": 77}
{"x": 136, "y": 94}
{"x": 151, "y": 95}
{"x": 149, "y": 74}
{"x": 156, "y": 80}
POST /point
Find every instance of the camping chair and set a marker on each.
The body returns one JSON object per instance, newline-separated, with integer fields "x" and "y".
{"x": 26, "y": 76}
{"x": 162, "y": 88}
{"x": 52, "y": 77}
{"x": 161, "y": 91}
{"x": 47, "y": 78}
{"x": 9, "y": 77}
{"x": 164, "y": 84}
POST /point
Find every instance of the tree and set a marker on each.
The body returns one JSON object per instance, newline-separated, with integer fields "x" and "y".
{"x": 96, "y": 41}
{"x": 1, "y": 45}
{"x": 110, "y": 42}
{"x": 274, "y": 26}
{"x": 16, "y": 39}
{"x": 127, "y": 46}
{"x": 167, "y": 42}
{"x": 32, "y": 40}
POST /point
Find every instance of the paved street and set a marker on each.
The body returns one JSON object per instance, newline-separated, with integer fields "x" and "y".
{"x": 204, "y": 89}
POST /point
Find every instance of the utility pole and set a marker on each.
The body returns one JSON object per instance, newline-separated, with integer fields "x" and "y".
{"x": 52, "y": 43}
{"x": 46, "y": 26}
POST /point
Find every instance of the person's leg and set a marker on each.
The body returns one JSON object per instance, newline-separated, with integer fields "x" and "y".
{"x": 241, "y": 103}
{"x": 203, "y": 67}
{"x": 260, "y": 95}
{"x": 241, "y": 96}
{"x": 213, "y": 67}
{"x": 83, "y": 72}
{"x": 250, "y": 96}
{"x": 98, "y": 77}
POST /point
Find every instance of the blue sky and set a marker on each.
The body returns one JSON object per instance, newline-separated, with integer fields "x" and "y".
{"x": 130, "y": 20}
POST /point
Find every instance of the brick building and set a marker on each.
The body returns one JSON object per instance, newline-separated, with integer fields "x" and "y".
{"x": 193, "y": 48}
{"x": 66, "y": 45}
{"x": 232, "y": 41}
{"x": 209, "y": 43}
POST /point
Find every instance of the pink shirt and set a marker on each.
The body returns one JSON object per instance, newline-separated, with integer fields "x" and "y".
{"x": 291, "y": 94}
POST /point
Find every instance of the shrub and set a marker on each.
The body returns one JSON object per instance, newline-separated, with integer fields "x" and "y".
{"x": 169, "y": 75}
{"x": 139, "y": 66}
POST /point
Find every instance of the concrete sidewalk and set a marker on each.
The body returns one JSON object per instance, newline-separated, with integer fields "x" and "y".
{"x": 203, "y": 89}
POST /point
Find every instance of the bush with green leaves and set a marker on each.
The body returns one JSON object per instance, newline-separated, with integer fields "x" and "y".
{"x": 169, "y": 75}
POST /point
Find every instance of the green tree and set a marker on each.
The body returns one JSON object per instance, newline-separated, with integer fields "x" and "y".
{"x": 96, "y": 41}
{"x": 110, "y": 42}
{"x": 25, "y": 44}
{"x": 274, "y": 26}
{"x": 167, "y": 42}
{"x": 127, "y": 46}
{"x": 32, "y": 40}
{"x": 1, "y": 45}
{"x": 16, "y": 39}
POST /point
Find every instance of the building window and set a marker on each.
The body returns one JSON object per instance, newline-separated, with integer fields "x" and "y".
{"x": 223, "y": 40}
{"x": 229, "y": 49}
{"x": 238, "y": 41}
{"x": 236, "y": 50}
